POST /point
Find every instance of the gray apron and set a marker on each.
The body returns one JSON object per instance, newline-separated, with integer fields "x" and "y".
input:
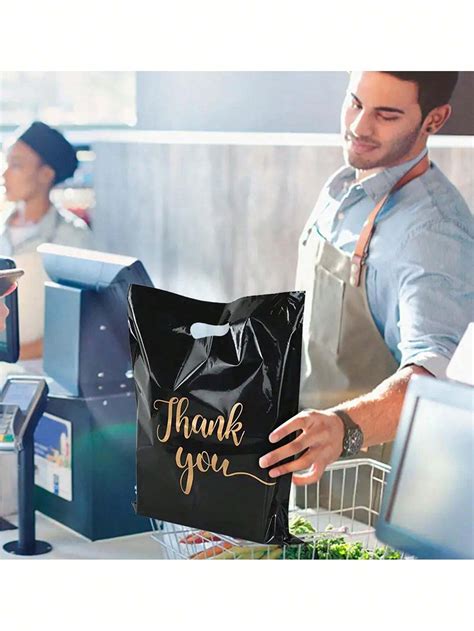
{"x": 344, "y": 355}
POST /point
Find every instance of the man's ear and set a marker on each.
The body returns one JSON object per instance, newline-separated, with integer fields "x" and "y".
{"x": 47, "y": 175}
{"x": 437, "y": 118}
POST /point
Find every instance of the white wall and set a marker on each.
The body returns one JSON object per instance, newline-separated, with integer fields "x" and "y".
{"x": 240, "y": 101}
{"x": 262, "y": 101}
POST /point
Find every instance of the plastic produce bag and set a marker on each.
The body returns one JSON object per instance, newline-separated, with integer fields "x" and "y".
{"x": 207, "y": 404}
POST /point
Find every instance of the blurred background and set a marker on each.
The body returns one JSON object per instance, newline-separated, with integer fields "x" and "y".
{"x": 208, "y": 177}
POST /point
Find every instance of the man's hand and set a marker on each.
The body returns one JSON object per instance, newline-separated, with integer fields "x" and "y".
{"x": 319, "y": 443}
{"x": 320, "y": 434}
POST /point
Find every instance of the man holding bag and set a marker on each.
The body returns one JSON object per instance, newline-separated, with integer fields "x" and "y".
{"x": 384, "y": 260}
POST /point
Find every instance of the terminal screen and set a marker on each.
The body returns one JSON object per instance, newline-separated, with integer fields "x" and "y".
{"x": 20, "y": 393}
{"x": 434, "y": 494}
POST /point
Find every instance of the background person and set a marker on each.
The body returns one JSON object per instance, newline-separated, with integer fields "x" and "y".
{"x": 39, "y": 158}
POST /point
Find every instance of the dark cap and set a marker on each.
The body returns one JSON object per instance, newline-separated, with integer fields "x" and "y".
{"x": 52, "y": 147}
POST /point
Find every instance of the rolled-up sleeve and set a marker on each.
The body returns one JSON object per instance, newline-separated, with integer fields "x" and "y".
{"x": 435, "y": 294}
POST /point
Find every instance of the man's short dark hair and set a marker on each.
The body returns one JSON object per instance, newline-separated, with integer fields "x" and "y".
{"x": 434, "y": 88}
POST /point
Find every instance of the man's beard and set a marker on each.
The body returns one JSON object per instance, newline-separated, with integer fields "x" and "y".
{"x": 394, "y": 155}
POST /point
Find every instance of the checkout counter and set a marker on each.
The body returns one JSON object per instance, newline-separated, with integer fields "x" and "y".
{"x": 85, "y": 441}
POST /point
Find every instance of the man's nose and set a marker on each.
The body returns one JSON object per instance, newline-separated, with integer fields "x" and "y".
{"x": 362, "y": 125}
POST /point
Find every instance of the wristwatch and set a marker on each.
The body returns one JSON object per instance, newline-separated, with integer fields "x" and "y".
{"x": 353, "y": 435}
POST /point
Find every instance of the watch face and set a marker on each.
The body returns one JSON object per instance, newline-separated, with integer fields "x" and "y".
{"x": 352, "y": 441}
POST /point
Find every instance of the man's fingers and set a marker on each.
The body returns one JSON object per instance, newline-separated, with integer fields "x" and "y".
{"x": 303, "y": 462}
{"x": 286, "y": 451}
{"x": 313, "y": 447}
{"x": 310, "y": 477}
{"x": 288, "y": 427}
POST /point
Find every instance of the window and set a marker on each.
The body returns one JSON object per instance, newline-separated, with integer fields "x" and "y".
{"x": 68, "y": 99}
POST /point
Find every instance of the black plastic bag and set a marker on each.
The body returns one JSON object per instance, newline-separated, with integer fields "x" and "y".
{"x": 206, "y": 407}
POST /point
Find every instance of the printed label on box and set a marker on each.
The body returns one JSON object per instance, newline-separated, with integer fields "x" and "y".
{"x": 53, "y": 449}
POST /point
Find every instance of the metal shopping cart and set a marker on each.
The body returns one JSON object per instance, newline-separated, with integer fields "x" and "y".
{"x": 338, "y": 515}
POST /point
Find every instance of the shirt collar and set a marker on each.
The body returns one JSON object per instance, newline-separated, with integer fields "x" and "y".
{"x": 379, "y": 184}
{"x": 47, "y": 222}
{"x": 44, "y": 227}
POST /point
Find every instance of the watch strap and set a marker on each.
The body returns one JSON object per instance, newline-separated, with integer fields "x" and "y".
{"x": 346, "y": 419}
{"x": 349, "y": 424}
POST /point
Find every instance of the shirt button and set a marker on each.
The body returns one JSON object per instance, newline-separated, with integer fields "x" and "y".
{"x": 340, "y": 215}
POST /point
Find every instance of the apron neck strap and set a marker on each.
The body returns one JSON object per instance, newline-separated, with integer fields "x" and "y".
{"x": 362, "y": 246}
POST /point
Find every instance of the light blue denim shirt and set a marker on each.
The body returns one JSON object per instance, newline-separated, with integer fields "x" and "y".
{"x": 420, "y": 285}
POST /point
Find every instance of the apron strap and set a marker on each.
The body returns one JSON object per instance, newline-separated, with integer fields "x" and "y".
{"x": 362, "y": 245}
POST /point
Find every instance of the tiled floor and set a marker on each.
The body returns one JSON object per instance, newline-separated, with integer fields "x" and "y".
{"x": 69, "y": 545}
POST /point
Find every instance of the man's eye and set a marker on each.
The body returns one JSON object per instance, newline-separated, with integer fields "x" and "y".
{"x": 356, "y": 105}
{"x": 389, "y": 118}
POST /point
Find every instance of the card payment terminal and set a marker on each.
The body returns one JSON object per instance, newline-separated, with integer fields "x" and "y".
{"x": 8, "y": 414}
{"x": 22, "y": 403}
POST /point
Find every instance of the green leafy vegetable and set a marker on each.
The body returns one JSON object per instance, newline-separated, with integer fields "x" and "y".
{"x": 301, "y": 526}
{"x": 330, "y": 547}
